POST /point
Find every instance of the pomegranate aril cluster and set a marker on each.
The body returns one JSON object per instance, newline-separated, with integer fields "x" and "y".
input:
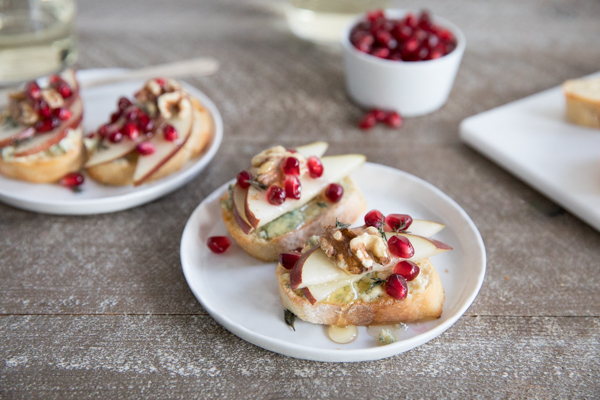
{"x": 412, "y": 38}
{"x": 373, "y": 117}
{"x": 49, "y": 118}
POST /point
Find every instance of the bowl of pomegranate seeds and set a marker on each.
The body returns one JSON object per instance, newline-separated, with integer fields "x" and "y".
{"x": 401, "y": 60}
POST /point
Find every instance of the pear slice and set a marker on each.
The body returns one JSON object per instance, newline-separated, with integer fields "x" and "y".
{"x": 108, "y": 151}
{"x": 148, "y": 165}
{"x": 239, "y": 210}
{"x": 11, "y": 134}
{"x": 260, "y": 212}
{"x": 425, "y": 228}
{"x": 313, "y": 149}
{"x": 424, "y": 247}
{"x": 43, "y": 141}
{"x": 321, "y": 292}
{"x": 314, "y": 268}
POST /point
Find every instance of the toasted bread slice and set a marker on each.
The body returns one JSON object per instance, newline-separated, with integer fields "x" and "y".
{"x": 583, "y": 101}
{"x": 120, "y": 172}
{"x": 350, "y": 207}
{"x": 45, "y": 168}
{"x": 423, "y": 303}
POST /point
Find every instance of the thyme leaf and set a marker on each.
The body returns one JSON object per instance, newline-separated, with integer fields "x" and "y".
{"x": 9, "y": 120}
{"x": 290, "y": 318}
{"x": 254, "y": 182}
{"x": 341, "y": 225}
{"x": 375, "y": 282}
{"x": 321, "y": 204}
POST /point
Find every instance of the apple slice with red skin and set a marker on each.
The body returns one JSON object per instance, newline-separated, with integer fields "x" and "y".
{"x": 8, "y": 135}
{"x": 183, "y": 123}
{"x": 314, "y": 268}
{"x": 260, "y": 212}
{"x": 43, "y": 141}
{"x": 239, "y": 211}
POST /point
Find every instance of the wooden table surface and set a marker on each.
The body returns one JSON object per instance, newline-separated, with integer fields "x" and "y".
{"x": 97, "y": 306}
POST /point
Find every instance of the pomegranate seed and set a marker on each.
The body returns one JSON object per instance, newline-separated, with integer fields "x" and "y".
{"x": 145, "y": 124}
{"x": 408, "y": 269}
{"x": 423, "y": 53}
{"x": 334, "y": 192}
{"x": 170, "y": 133}
{"x": 381, "y": 52}
{"x": 410, "y": 46}
{"x": 385, "y": 38}
{"x": 435, "y": 54}
{"x": 401, "y": 247}
{"x": 42, "y": 108}
{"x": 115, "y": 137}
{"x": 395, "y": 56}
{"x": 402, "y": 32}
{"x": 374, "y": 15}
{"x": 32, "y": 90}
{"x": 62, "y": 113}
{"x": 133, "y": 113}
{"x": 393, "y": 120}
{"x": 398, "y": 222}
{"x": 432, "y": 41}
{"x": 103, "y": 130}
{"x": 275, "y": 195}
{"x": 374, "y": 218}
{"x": 363, "y": 41}
{"x": 145, "y": 148}
{"x": 64, "y": 89}
{"x": 315, "y": 167}
{"x": 411, "y": 20}
{"x": 123, "y": 103}
{"x": 131, "y": 131}
{"x": 288, "y": 260}
{"x": 71, "y": 180}
{"x": 114, "y": 117}
{"x": 243, "y": 179}
{"x": 379, "y": 115}
{"x": 445, "y": 35}
{"x": 425, "y": 20}
{"x": 161, "y": 81}
{"x": 53, "y": 79}
{"x": 293, "y": 188}
{"x": 291, "y": 166}
{"x": 46, "y": 125}
{"x": 396, "y": 287}
{"x": 367, "y": 122}
{"x": 218, "y": 244}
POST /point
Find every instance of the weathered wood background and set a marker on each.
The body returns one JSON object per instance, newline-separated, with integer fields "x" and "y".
{"x": 98, "y": 306}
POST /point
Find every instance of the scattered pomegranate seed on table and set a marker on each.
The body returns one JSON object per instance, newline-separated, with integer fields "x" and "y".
{"x": 315, "y": 167}
{"x": 396, "y": 287}
{"x": 170, "y": 133}
{"x": 243, "y": 179}
{"x": 72, "y": 180}
{"x": 368, "y": 121}
{"x": 291, "y": 166}
{"x": 401, "y": 247}
{"x": 288, "y": 260}
{"x": 145, "y": 148}
{"x": 218, "y": 244}
{"x": 371, "y": 118}
{"x": 393, "y": 120}
{"x": 408, "y": 269}
{"x": 275, "y": 195}
{"x": 293, "y": 188}
{"x": 374, "y": 218}
{"x": 334, "y": 192}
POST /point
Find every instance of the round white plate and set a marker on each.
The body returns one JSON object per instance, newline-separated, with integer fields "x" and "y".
{"x": 241, "y": 293}
{"x": 99, "y": 103}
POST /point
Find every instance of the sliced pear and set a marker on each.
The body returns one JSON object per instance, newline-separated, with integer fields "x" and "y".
{"x": 313, "y": 149}
{"x": 239, "y": 209}
{"x": 183, "y": 123}
{"x": 10, "y": 134}
{"x": 425, "y": 228}
{"x": 424, "y": 247}
{"x": 260, "y": 212}
{"x": 314, "y": 268}
{"x": 321, "y": 292}
{"x": 43, "y": 141}
{"x": 109, "y": 151}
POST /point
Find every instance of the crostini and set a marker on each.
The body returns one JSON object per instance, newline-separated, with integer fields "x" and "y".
{"x": 150, "y": 137}
{"x": 287, "y": 195}
{"x": 583, "y": 101}
{"x": 376, "y": 274}
{"x": 41, "y": 139}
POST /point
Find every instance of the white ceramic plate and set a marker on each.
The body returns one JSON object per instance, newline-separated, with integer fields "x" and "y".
{"x": 241, "y": 293}
{"x": 532, "y": 139}
{"x": 99, "y": 103}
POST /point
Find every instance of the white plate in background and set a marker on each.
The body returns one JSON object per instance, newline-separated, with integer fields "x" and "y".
{"x": 99, "y": 103}
{"x": 532, "y": 139}
{"x": 240, "y": 292}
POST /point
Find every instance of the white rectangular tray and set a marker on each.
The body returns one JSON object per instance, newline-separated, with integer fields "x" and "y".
{"x": 532, "y": 139}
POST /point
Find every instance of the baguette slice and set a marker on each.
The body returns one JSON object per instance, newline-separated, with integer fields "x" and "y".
{"x": 120, "y": 172}
{"x": 427, "y": 303}
{"x": 583, "y": 101}
{"x": 47, "y": 168}
{"x": 348, "y": 209}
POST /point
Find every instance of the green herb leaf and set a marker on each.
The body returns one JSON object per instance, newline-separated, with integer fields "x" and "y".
{"x": 321, "y": 204}
{"x": 9, "y": 120}
{"x": 341, "y": 225}
{"x": 375, "y": 282}
{"x": 290, "y": 318}
{"x": 256, "y": 184}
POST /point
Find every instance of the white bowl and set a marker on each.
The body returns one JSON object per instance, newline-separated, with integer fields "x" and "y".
{"x": 411, "y": 88}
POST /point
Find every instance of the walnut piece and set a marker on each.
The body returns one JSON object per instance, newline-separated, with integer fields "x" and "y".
{"x": 266, "y": 164}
